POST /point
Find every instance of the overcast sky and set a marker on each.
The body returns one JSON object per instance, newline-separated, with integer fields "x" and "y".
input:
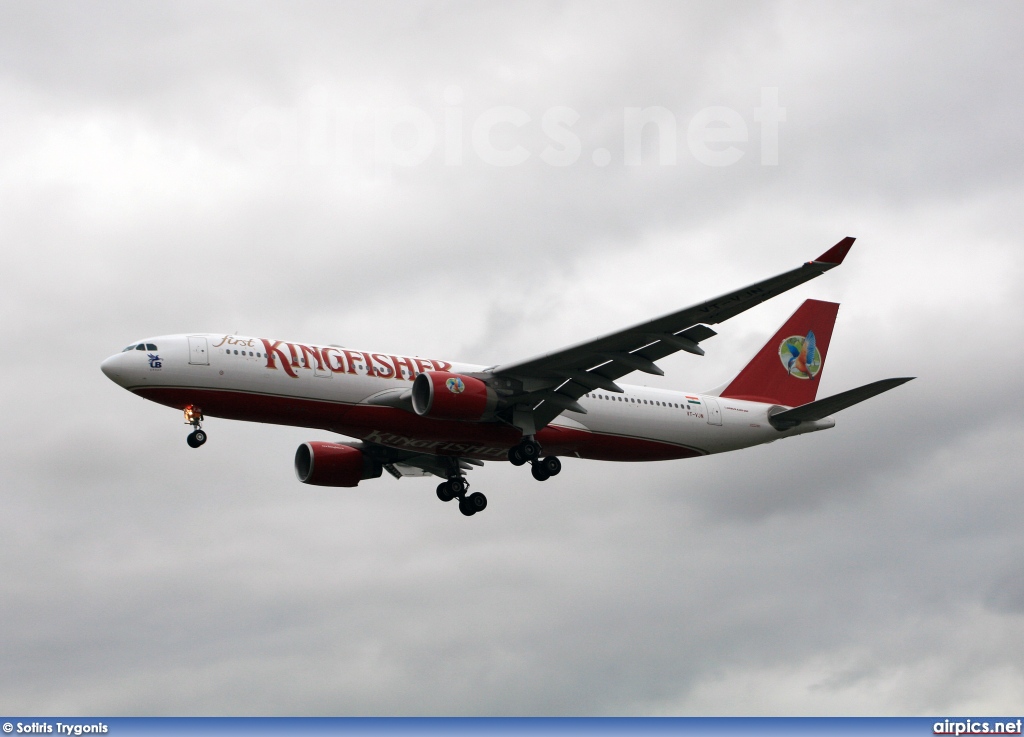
{"x": 386, "y": 178}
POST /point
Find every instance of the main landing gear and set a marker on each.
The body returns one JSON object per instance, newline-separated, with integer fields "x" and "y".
{"x": 529, "y": 451}
{"x": 193, "y": 417}
{"x": 458, "y": 488}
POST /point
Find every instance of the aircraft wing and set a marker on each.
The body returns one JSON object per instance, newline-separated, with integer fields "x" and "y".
{"x": 543, "y": 387}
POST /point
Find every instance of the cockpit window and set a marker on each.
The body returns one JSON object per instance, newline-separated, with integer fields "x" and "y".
{"x": 140, "y": 347}
{"x": 129, "y": 348}
{"x": 150, "y": 347}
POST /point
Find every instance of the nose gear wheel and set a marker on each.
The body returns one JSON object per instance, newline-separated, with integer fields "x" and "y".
{"x": 194, "y": 417}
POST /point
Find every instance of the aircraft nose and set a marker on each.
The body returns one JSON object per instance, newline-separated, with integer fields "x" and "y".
{"x": 112, "y": 368}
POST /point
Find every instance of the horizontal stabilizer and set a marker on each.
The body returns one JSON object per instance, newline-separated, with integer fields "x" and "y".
{"x": 824, "y": 407}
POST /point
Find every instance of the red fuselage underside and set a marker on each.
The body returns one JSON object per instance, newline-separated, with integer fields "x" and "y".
{"x": 400, "y": 429}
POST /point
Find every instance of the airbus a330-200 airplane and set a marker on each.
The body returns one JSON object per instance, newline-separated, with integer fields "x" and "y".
{"x": 416, "y": 416}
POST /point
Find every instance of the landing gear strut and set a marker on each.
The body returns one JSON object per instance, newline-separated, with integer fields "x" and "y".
{"x": 457, "y": 488}
{"x": 194, "y": 417}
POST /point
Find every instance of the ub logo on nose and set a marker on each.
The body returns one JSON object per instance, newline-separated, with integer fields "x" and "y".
{"x": 154, "y": 361}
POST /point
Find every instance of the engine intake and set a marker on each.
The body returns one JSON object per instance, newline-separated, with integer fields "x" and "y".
{"x": 333, "y": 464}
{"x": 443, "y": 395}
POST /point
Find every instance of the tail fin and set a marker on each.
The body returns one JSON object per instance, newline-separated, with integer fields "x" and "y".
{"x": 786, "y": 371}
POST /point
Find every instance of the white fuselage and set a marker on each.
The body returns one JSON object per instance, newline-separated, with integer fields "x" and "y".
{"x": 335, "y": 389}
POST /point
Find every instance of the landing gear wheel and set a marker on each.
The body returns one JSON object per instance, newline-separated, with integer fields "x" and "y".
{"x": 196, "y": 438}
{"x": 457, "y": 486}
{"x": 539, "y": 472}
{"x": 515, "y": 456}
{"x": 529, "y": 450}
{"x": 443, "y": 493}
{"x": 552, "y": 465}
{"x": 466, "y": 508}
{"x": 477, "y": 502}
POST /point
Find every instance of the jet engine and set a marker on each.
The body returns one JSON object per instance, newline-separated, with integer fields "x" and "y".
{"x": 333, "y": 464}
{"x": 443, "y": 395}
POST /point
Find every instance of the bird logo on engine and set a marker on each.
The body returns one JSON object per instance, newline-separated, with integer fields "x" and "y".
{"x": 455, "y": 385}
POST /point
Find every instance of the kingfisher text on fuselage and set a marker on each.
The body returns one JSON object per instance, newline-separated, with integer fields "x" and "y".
{"x": 291, "y": 357}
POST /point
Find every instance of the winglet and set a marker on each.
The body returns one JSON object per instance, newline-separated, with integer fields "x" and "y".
{"x": 837, "y": 253}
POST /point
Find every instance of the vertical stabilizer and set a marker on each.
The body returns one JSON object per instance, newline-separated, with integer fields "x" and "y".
{"x": 788, "y": 368}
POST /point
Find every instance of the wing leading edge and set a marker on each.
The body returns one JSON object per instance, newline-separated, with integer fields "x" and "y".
{"x": 544, "y": 386}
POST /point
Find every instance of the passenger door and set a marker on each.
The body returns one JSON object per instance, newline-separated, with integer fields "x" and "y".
{"x": 198, "y": 353}
{"x": 714, "y": 411}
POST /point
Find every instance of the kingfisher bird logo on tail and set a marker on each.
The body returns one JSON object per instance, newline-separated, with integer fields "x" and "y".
{"x": 800, "y": 356}
{"x": 801, "y": 344}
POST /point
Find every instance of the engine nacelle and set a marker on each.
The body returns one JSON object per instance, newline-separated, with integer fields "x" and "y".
{"x": 333, "y": 464}
{"x": 443, "y": 395}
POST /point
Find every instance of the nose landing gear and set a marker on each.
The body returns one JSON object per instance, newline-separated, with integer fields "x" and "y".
{"x": 194, "y": 417}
